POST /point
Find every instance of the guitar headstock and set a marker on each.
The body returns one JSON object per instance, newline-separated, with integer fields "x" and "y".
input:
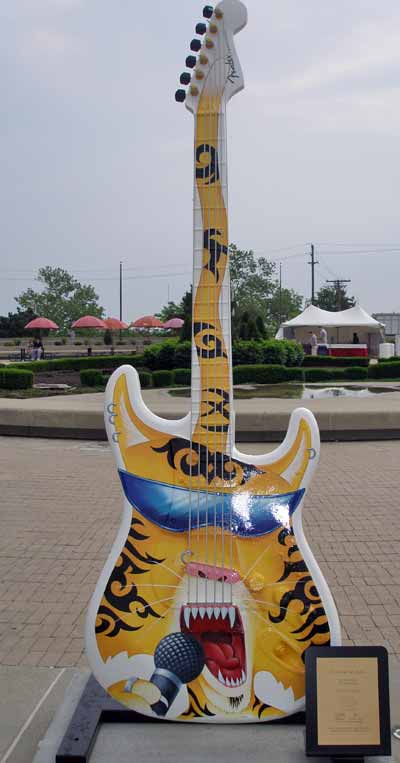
{"x": 215, "y": 70}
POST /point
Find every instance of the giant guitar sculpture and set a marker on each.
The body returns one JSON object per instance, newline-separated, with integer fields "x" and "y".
{"x": 210, "y": 596}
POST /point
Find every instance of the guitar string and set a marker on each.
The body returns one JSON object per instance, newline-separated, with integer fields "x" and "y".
{"x": 207, "y": 226}
{"x": 219, "y": 383}
{"x": 214, "y": 112}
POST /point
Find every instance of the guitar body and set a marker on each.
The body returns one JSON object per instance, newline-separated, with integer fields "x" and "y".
{"x": 210, "y": 596}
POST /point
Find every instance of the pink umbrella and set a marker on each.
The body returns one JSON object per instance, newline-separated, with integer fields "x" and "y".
{"x": 174, "y": 323}
{"x": 89, "y": 322}
{"x": 41, "y": 323}
{"x": 114, "y": 324}
{"x": 147, "y": 322}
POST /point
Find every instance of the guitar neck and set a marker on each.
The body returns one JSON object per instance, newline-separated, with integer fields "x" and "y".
{"x": 212, "y": 418}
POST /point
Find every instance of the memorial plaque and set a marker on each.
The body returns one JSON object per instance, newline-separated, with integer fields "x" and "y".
{"x": 347, "y": 701}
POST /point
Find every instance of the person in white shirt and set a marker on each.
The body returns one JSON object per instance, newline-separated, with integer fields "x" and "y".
{"x": 323, "y": 336}
{"x": 314, "y": 343}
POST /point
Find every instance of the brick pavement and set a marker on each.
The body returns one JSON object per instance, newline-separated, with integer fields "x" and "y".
{"x": 60, "y": 504}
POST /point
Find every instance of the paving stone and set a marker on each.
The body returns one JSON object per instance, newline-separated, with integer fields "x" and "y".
{"x": 60, "y": 511}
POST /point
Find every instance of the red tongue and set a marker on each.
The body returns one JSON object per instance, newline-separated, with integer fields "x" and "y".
{"x": 222, "y": 654}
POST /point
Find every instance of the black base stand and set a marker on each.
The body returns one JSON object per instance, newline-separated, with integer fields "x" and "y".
{"x": 348, "y": 760}
{"x": 96, "y": 707}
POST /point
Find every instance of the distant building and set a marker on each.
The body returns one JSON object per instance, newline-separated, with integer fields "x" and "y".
{"x": 391, "y": 321}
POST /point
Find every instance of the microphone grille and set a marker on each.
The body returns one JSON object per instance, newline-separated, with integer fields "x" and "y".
{"x": 182, "y": 655}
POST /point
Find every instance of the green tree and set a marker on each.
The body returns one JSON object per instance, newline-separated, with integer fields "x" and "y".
{"x": 187, "y": 304}
{"x": 14, "y": 324}
{"x": 63, "y": 299}
{"x": 171, "y": 310}
{"x": 255, "y": 289}
{"x": 285, "y": 304}
{"x": 334, "y": 298}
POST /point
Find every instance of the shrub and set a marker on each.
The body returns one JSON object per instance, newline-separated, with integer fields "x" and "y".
{"x": 294, "y": 353}
{"x": 246, "y": 352}
{"x": 267, "y": 374}
{"x": 166, "y": 355}
{"x": 145, "y": 378}
{"x": 315, "y": 361}
{"x": 78, "y": 344}
{"x": 91, "y": 377}
{"x": 15, "y": 378}
{"x": 274, "y": 352}
{"x": 162, "y": 378}
{"x": 356, "y": 372}
{"x": 323, "y": 374}
{"x": 150, "y": 355}
{"x": 183, "y": 355}
{"x": 182, "y": 376}
{"x": 385, "y": 371}
{"x": 77, "y": 364}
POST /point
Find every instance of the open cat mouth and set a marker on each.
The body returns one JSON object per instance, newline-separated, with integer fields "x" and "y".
{"x": 219, "y": 630}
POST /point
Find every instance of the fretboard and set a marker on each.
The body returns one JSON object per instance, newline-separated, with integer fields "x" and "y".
{"x": 212, "y": 416}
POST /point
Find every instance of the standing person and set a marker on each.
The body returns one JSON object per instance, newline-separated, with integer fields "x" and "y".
{"x": 314, "y": 343}
{"x": 323, "y": 336}
{"x": 356, "y": 339}
{"x": 40, "y": 350}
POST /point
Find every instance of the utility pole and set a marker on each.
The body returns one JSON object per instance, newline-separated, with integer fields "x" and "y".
{"x": 280, "y": 293}
{"x": 338, "y": 285}
{"x": 120, "y": 291}
{"x": 313, "y": 263}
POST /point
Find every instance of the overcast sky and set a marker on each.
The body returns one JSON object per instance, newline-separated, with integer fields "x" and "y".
{"x": 96, "y": 156}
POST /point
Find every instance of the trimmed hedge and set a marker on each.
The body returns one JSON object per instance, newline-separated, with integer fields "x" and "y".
{"x": 162, "y": 378}
{"x": 384, "y": 371}
{"x": 14, "y": 378}
{"x": 78, "y": 364}
{"x": 317, "y": 361}
{"x": 91, "y": 377}
{"x": 323, "y": 374}
{"x": 174, "y": 354}
{"x": 145, "y": 377}
{"x": 356, "y": 372}
{"x": 182, "y": 376}
{"x": 266, "y": 374}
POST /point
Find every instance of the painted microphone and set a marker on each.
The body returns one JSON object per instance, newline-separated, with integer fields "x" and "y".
{"x": 179, "y": 659}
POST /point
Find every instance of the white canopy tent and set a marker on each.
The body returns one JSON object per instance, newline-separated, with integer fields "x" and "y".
{"x": 340, "y": 326}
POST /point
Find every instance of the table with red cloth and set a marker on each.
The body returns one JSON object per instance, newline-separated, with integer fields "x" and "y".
{"x": 348, "y": 350}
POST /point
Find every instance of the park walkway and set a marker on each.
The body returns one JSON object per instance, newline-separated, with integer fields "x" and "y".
{"x": 60, "y": 504}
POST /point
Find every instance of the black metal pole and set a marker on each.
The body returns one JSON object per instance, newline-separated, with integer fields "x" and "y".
{"x": 120, "y": 298}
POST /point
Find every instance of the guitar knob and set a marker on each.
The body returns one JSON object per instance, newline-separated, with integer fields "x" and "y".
{"x": 195, "y": 45}
{"x": 208, "y": 11}
{"x": 185, "y": 78}
{"x": 191, "y": 62}
{"x": 201, "y": 28}
{"x": 180, "y": 96}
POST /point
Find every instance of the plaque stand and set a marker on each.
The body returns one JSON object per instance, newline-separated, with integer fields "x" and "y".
{"x": 96, "y": 707}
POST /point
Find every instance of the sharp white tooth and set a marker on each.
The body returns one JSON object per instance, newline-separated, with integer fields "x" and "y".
{"x": 202, "y": 612}
{"x": 216, "y": 612}
{"x": 237, "y": 682}
{"x": 232, "y": 616}
{"x": 221, "y": 678}
{"x": 186, "y": 615}
{"x": 210, "y": 612}
{"x": 224, "y": 612}
{"x": 243, "y": 676}
{"x": 228, "y": 681}
{"x": 195, "y": 611}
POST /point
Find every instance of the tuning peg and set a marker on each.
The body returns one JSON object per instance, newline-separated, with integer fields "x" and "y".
{"x": 195, "y": 45}
{"x": 180, "y": 96}
{"x": 208, "y": 11}
{"x": 191, "y": 62}
{"x": 201, "y": 28}
{"x": 185, "y": 78}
